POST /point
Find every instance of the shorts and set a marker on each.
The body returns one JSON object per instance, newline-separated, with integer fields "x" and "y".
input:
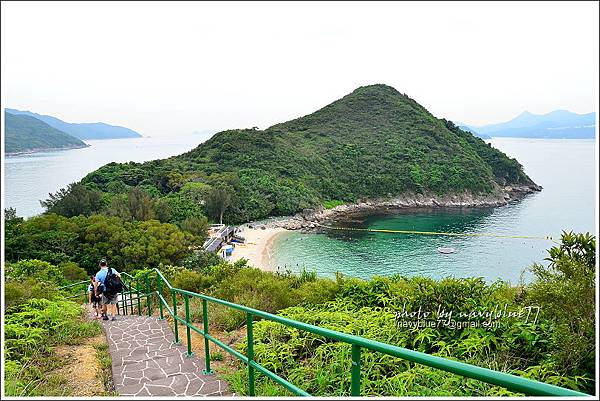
{"x": 109, "y": 299}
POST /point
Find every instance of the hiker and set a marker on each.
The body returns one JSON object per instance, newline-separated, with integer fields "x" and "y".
{"x": 109, "y": 282}
{"x": 94, "y": 298}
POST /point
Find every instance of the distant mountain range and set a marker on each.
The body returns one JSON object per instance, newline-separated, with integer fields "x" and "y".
{"x": 82, "y": 130}
{"x": 558, "y": 124}
{"x": 24, "y": 134}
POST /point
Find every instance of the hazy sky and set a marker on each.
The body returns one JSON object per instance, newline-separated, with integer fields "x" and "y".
{"x": 169, "y": 69}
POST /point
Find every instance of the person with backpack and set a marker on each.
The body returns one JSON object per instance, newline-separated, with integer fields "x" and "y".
{"x": 110, "y": 285}
{"x": 94, "y": 298}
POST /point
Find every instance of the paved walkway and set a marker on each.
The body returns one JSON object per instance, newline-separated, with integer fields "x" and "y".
{"x": 146, "y": 363}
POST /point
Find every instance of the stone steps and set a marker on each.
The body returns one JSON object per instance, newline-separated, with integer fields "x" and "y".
{"x": 145, "y": 362}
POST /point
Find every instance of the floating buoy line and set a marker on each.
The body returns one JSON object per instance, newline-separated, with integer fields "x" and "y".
{"x": 373, "y": 230}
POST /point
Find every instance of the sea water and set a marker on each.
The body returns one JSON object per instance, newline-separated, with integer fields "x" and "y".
{"x": 566, "y": 170}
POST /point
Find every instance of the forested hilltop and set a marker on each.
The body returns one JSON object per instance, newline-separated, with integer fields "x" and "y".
{"x": 372, "y": 143}
{"x": 26, "y": 134}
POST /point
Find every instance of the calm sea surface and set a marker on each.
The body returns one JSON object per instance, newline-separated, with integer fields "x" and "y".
{"x": 566, "y": 170}
{"x": 29, "y": 178}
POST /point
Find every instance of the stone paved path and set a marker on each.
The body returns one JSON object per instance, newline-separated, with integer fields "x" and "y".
{"x": 145, "y": 362}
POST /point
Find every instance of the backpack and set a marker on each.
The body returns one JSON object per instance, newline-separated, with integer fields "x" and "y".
{"x": 112, "y": 283}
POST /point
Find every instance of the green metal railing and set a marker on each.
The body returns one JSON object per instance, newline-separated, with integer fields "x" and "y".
{"x": 128, "y": 302}
{"x": 84, "y": 285}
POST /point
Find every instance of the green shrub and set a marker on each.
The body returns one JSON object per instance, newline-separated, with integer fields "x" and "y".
{"x": 191, "y": 281}
{"x": 330, "y": 204}
{"x": 40, "y": 270}
{"x": 31, "y": 330}
{"x": 200, "y": 261}
{"x": 316, "y": 292}
{"x": 226, "y": 319}
{"x": 18, "y": 292}
{"x": 566, "y": 290}
{"x": 71, "y": 271}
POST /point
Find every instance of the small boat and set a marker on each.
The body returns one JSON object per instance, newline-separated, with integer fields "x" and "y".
{"x": 445, "y": 250}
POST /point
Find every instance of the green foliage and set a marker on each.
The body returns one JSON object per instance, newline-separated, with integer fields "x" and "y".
{"x": 17, "y": 292}
{"x": 374, "y": 142}
{"x": 217, "y": 202}
{"x": 141, "y": 205}
{"x": 30, "y": 331}
{"x": 74, "y": 200}
{"x": 197, "y": 226}
{"x": 567, "y": 288}
{"x": 36, "y": 269}
{"x": 72, "y": 272}
{"x": 556, "y": 347}
{"x": 85, "y": 240}
{"x": 191, "y": 281}
{"x": 201, "y": 261}
{"x": 330, "y": 204}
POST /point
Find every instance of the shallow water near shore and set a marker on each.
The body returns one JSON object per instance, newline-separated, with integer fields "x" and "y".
{"x": 566, "y": 170}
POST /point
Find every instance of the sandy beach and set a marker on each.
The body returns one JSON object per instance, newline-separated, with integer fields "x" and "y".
{"x": 257, "y": 249}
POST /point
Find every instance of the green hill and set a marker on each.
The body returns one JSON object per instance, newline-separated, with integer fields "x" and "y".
{"x": 28, "y": 134}
{"x": 374, "y": 142}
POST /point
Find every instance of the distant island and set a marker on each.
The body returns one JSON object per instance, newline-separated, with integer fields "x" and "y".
{"x": 81, "y": 130}
{"x": 25, "y": 134}
{"x": 374, "y": 144}
{"x": 559, "y": 124}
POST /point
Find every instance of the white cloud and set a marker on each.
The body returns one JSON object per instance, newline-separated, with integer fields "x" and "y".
{"x": 166, "y": 68}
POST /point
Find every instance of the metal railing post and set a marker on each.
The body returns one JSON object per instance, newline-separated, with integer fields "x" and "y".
{"x": 250, "y": 340}
{"x": 131, "y": 310}
{"x": 148, "y": 301}
{"x": 139, "y": 301}
{"x": 159, "y": 290}
{"x": 186, "y": 300}
{"x": 355, "y": 383}
{"x": 175, "y": 321}
{"x": 123, "y": 301}
{"x": 206, "y": 371}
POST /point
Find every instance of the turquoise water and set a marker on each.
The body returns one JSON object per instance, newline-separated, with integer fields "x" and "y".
{"x": 566, "y": 170}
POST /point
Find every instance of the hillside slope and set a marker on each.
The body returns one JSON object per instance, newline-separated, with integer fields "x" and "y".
{"x": 27, "y": 134}
{"x": 374, "y": 142}
{"x": 82, "y": 130}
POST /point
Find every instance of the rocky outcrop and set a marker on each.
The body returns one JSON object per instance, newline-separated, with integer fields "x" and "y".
{"x": 311, "y": 219}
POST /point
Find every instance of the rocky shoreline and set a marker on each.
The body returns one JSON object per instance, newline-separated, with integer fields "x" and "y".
{"x": 310, "y": 220}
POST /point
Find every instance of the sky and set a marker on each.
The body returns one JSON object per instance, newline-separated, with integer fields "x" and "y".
{"x": 175, "y": 68}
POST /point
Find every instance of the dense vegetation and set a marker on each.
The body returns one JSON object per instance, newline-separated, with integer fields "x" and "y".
{"x": 553, "y": 342}
{"x": 37, "y": 318}
{"x": 557, "y": 346}
{"x": 374, "y": 142}
{"x": 85, "y": 240}
{"x": 24, "y": 133}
